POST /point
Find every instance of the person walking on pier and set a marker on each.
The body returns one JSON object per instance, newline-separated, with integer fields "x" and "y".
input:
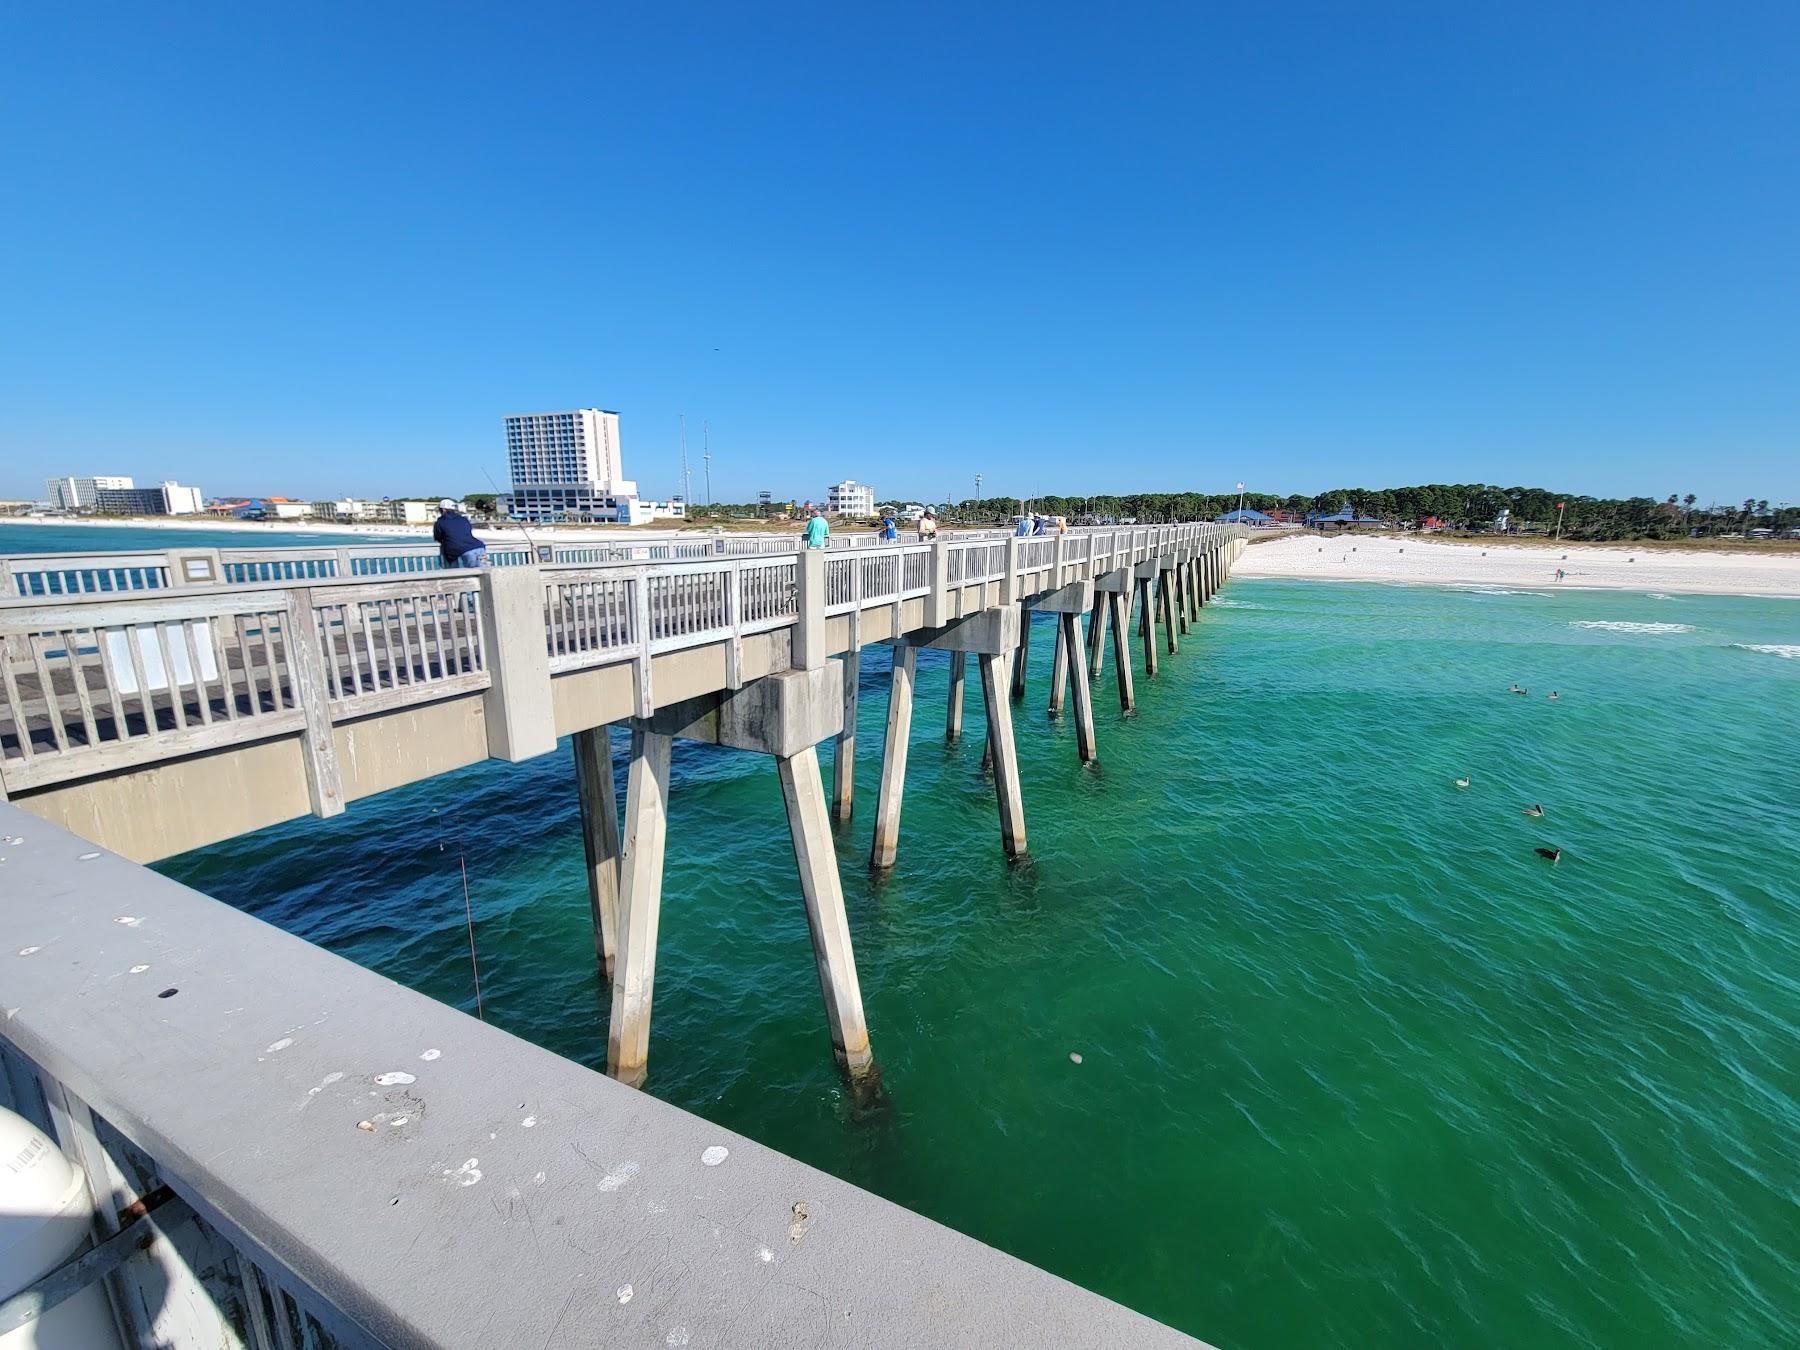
{"x": 817, "y": 530}
{"x": 456, "y": 537}
{"x": 927, "y": 526}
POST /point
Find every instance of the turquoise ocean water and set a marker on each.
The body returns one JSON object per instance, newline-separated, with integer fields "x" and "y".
{"x": 1358, "y": 1067}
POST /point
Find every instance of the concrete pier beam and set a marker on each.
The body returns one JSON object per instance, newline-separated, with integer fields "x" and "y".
{"x": 1059, "y": 666}
{"x": 994, "y": 674}
{"x": 1023, "y": 655}
{"x": 1082, "y": 698}
{"x": 599, "y": 840}
{"x": 1116, "y": 607}
{"x": 815, "y": 857}
{"x": 953, "y": 709}
{"x": 640, "y": 904}
{"x": 893, "y": 759}
{"x": 843, "y": 748}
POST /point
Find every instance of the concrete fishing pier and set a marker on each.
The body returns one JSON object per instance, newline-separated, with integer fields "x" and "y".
{"x": 153, "y": 703}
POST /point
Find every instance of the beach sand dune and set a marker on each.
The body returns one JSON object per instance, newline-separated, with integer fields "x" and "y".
{"x": 1437, "y": 562}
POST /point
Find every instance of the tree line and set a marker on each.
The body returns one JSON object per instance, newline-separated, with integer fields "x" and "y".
{"x": 1458, "y": 505}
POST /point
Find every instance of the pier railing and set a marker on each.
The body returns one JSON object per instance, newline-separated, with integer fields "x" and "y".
{"x": 111, "y": 675}
{"x": 46, "y": 574}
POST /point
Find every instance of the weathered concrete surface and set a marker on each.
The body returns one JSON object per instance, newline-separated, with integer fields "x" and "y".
{"x": 780, "y": 714}
{"x": 464, "y": 1225}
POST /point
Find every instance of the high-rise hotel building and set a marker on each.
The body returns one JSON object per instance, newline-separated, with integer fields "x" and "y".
{"x": 567, "y": 466}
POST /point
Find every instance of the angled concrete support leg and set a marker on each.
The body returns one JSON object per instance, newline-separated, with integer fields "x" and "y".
{"x": 1179, "y": 576}
{"x": 1193, "y": 590}
{"x": 893, "y": 760}
{"x": 1081, "y": 696}
{"x": 1165, "y": 590}
{"x": 1006, "y": 760}
{"x": 843, "y": 749}
{"x": 954, "y": 708}
{"x": 1059, "y": 665}
{"x": 1023, "y": 656}
{"x": 599, "y": 840}
{"x": 1097, "y": 635}
{"x": 640, "y": 905}
{"x": 816, "y": 859}
{"x": 1116, "y": 605}
{"x": 1147, "y": 593}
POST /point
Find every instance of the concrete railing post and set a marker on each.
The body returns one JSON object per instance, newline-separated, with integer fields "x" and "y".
{"x": 196, "y": 567}
{"x": 809, "y": 625}
{"x": 306, "y": 674}
{"x": 1009, "y": 581}
{"x": 520, "y": 721}
{"x": 937, "y": 600}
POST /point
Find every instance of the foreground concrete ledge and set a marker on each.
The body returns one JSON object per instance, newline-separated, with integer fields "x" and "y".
{"x": 505, "y": 1196}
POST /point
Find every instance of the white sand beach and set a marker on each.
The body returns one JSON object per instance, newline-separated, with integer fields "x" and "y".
{"x": 1439, "y": 562}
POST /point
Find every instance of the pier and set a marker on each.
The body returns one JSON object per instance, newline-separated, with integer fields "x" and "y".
{"x": 151, "y": 703}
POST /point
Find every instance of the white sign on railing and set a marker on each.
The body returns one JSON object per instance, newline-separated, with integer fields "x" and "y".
{"x": 156, "y": 675}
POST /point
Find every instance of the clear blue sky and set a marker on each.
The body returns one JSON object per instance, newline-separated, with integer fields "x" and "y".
{"x": 1104, "y": 247}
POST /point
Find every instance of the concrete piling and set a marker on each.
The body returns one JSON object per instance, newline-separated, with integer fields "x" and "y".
{"x": 1147, "y": 597}
{"x": 640, "y": 905}
{"x": 1116, "y": 603}
{"x": 1059, "y": 666}
{"x": 599, "y": 840}
{"x": 1097, "y": 635}
{"x": 953, "y": 712}
{"x": 843, "y": 747}
{"x": 816, "y": 859}
{"x": 1023, "y": 655}
{"x": 994, "y": 673}
{"x": 1082, "y": 697}
{"x": 893, "y": 759}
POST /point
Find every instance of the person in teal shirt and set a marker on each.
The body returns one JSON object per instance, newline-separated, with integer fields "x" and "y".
{"x": 817, "y": 530}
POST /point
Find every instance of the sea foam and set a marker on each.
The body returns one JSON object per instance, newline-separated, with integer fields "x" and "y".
{"x": 1621, "y": 626}
{"x": 1788, "y": 651}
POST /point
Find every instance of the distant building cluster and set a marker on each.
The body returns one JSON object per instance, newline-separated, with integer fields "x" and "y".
{"x": 569, "y": 466}
{"x": 116, "y": 495}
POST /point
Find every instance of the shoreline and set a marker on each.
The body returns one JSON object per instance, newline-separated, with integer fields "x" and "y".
{"x": 1586, "y": 567}
{"x": 385, "y": 529}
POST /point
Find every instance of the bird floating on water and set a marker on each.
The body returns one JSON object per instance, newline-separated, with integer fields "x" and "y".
{"x": 1462, "y": 782}
{"x": 1515, "y": 689}
{"x": 1553, "y": 854}
{"x": 1534, "y": 810}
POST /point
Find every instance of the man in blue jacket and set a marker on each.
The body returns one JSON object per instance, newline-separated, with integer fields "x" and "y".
{"x": 456, "y": 538}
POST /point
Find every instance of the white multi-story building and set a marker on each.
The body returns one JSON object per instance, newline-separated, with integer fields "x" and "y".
{"x": 850, "y": 498}
{"x": 168, "y": 499}
{"x": 566, "y": 466}
{"x": 82, "y": 494}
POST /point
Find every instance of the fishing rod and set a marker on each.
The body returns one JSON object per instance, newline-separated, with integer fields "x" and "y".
{"x": 532, "y": 543}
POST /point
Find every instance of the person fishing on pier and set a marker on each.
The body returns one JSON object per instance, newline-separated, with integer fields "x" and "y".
{"x": 456, "y": 539}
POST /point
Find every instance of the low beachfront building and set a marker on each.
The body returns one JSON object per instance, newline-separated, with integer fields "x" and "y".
{"x": 1344, "y": 519}
{"x": 1246, "y": 516}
